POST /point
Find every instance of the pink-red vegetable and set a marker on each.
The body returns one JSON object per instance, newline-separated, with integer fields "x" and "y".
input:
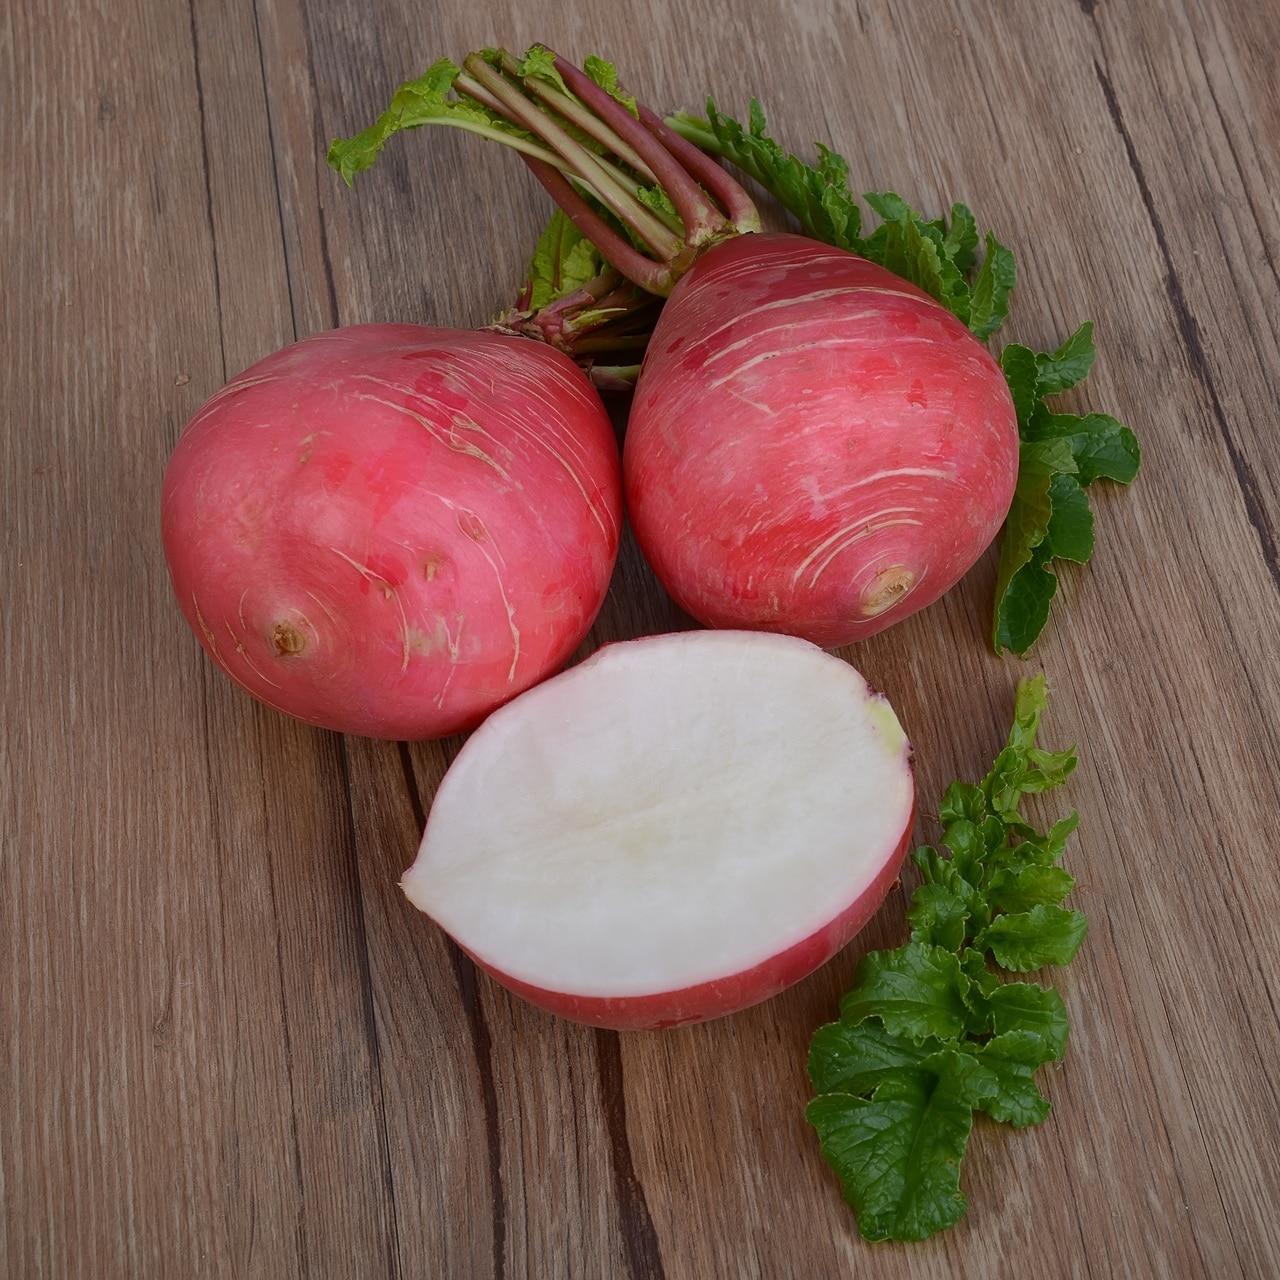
{"x": 392, "y": 529}
{"x": 815, "y": 446}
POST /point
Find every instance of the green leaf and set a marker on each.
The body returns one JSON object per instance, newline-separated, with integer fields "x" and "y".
{"x": 844, "y": 1058}
{"x": 1102, "y": 447}
{"x": 912, "y": 249}
{"x": 1027, "y": 940}
{"x": 1069, "y": 365}
{"x": 1029, "y": 886}
{"x": 1022, "y": 373}
{"x": 989, "y": 304}
{"x": 897, "y": 1154}
{"x": 539, "y": 63}
{"x": 936, "y": 254}
{"x": 605, "y": 74}
{"x": 1056, "y": 841}
{"x": 1029, "y": 1007}
{"x": 419, "y": 102}
{"x": 962, "y": 800}
{"x": 929, "y": 1033}
{"x": 916, "y": 991}
{"x": 960, "y": 244}
{"x": 1050, "y": 517}
{"x": 1013, "y": 1098}
{"x": 1029, "y": 705}
{"x": 563, "y": 260}
{"x": 1027, "y": 523}
{"x": 1070, "y": 532}
{"x": 937, "y": 916}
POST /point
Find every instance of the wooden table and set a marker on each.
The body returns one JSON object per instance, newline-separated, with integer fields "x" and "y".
{"x": 231, "y": 1048}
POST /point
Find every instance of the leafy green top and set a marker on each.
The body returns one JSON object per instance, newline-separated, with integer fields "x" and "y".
{"x": 928, "y": 1033}
{"x": 937, "y": 254}
{"x": 428, "y": 100}
{"x": 563, "y": 261}
{"x": 1061, "y": 453}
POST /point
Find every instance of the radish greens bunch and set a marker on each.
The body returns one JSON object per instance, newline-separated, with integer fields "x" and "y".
{"x": 929, "y": 1034}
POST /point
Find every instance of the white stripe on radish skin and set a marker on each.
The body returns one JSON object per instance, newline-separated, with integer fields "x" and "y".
{"x": 846, "y": 536}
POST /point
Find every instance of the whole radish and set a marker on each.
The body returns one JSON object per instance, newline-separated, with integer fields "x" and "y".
{"x": 392, "y": 529}
{"x": 816, "y": 446}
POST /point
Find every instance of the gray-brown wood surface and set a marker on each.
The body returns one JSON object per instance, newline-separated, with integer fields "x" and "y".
{"x": 230, "y": 1048}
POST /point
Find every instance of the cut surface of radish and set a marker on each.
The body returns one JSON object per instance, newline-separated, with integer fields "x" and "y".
{"x": 677, "y": 827}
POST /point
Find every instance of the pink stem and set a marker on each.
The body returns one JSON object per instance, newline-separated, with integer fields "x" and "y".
{"x": 700, "y": 217}
{"x": 733, "y": 199}
{"x": 652, "y": 276}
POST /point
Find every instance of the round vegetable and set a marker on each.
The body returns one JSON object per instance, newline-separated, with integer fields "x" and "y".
{"x": 816, "y": 446}
{"x": 677, "y": 828}
{"x": 392, "y": 529}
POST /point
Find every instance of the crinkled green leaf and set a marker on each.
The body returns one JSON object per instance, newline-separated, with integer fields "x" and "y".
{"x": 928, "y": 1032}
{"x": 1050, "y": 518}
{"x": 563, "y": 260}
{"x": 1026, "y": 940}
{"x": 897, "y": 1154}
{"x": 962, "y": 800}
{"x": 937, "y": 916}
{"x": 1102, "y": 447}
{"x": 605, "y": 74}
{"x": 1029, "y": 886}
{"x": 1029, "y": 1007}
{"x": 960, "y": 244}
{"x": 539, "y": 63}
{"x": 845, "y": 1057}
{"x": 425, "y": 100}
{"x": 1022, "y": 373}
{"x": 1026, "y": 527}
{"x": 915, "y": 991}
{"x": 989, "y": 298}
{"x": 936, "y": 254}
{"x": 1012, "y": 1060}
{"x": 1069, "y": 365}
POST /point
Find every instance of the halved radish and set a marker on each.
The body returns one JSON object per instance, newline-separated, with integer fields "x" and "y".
{"x": 678, "y": 828}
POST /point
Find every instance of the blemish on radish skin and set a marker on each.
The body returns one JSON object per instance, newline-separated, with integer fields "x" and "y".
{"x": 472, "y": 526}
{"x": 288, "y": 640}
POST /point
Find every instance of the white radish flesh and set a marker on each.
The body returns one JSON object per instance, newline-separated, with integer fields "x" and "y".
{"x": 676, "y": 828}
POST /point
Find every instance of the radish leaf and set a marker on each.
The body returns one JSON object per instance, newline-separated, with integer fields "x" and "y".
{"x": 928, "y": 1033}
{"x": 563, "y": 260}
{"x": 898, "y": 1152}
{"x": 425, "y": 100}
{"x": 605, "y": 74}
{"x": 1050, "y": 518}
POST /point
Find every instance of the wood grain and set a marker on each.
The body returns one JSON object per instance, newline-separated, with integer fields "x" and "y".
{"x": 232, "y": 1049}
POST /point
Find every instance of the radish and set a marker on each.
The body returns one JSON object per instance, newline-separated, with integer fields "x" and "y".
{"x": 392, "y": 529}
{"x": 677, "y": 828}
{"x": 816, "y": 446}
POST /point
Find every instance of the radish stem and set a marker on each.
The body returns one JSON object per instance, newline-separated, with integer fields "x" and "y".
{"x": 652, "y": 276}
{"x": 733, "y": 199}
{"x": 702, "y": 220}
{"x": 612, "y": 193}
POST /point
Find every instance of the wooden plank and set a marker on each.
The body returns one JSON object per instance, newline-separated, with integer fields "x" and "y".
{"x": 233, "y": 1047}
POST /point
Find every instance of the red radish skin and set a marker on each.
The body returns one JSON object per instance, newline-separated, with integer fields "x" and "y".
{"x": 664, "y": 1010}
{"x": 816, "y": 446}
{"x": 392, "y": 529}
